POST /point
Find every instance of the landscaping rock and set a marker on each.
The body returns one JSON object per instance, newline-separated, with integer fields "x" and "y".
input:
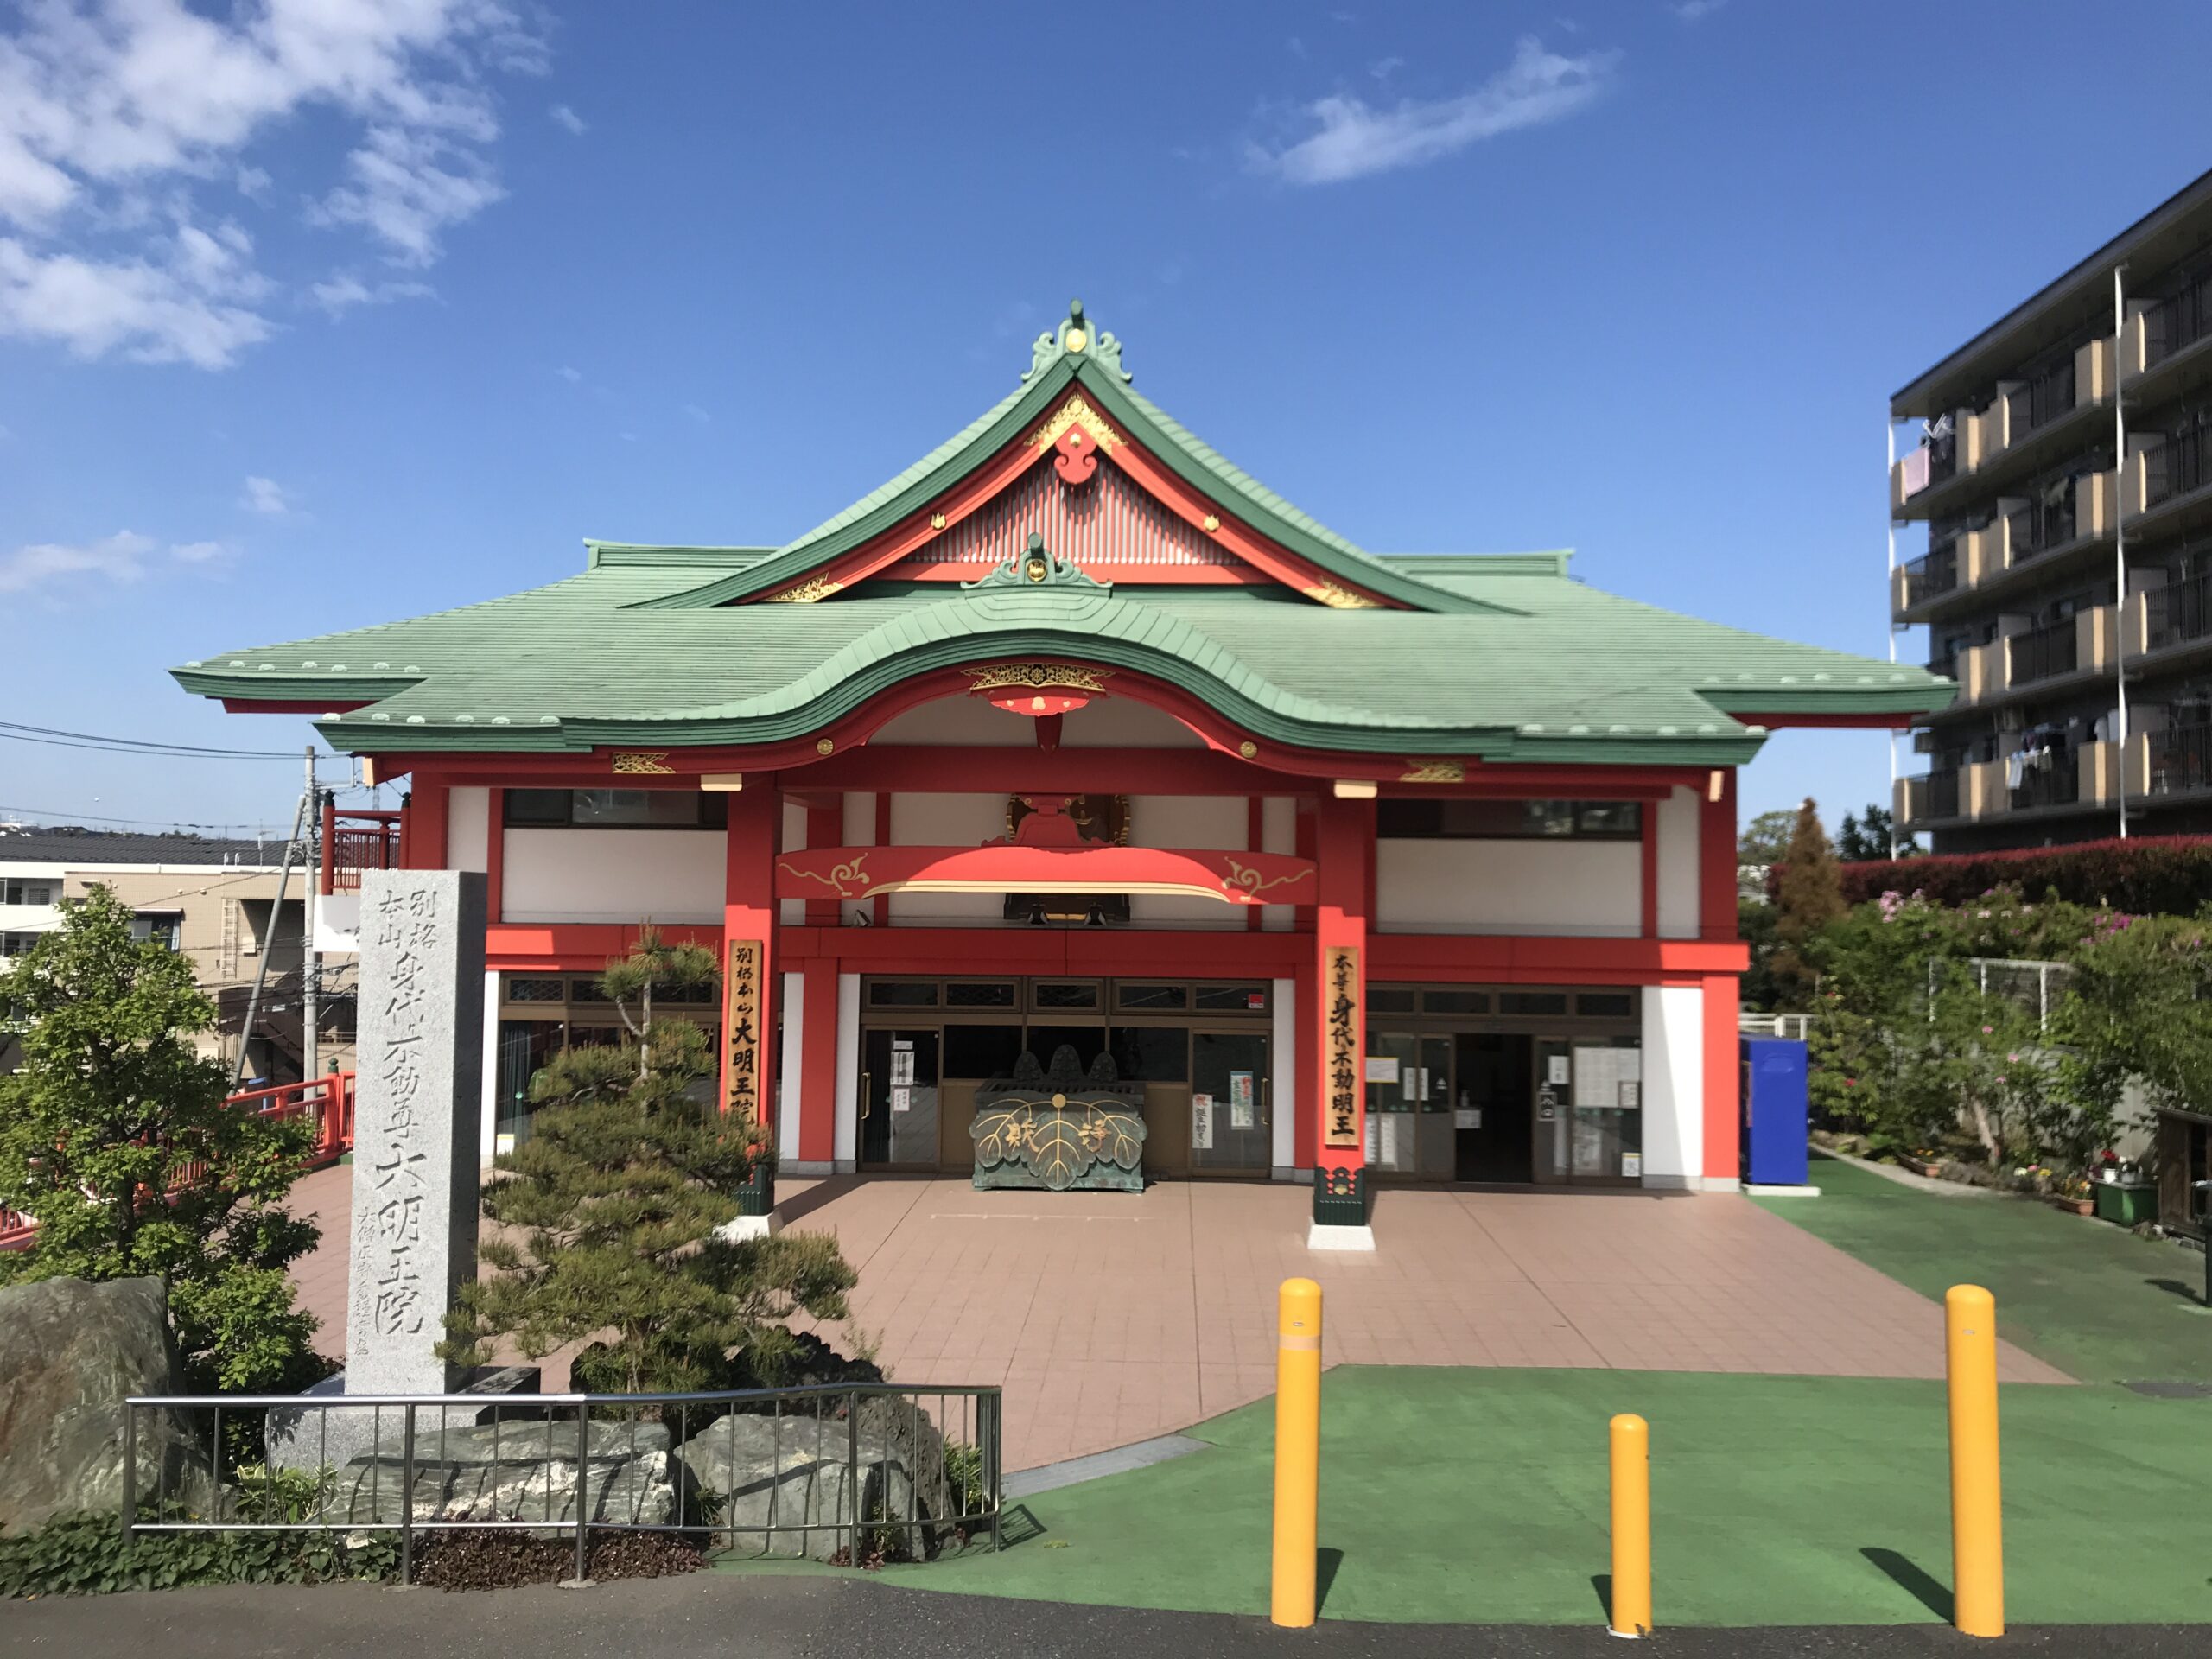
{"x": 763, "y": 1478}
{"x": 71, "y": 1353}
{"x": 507, "y": 1471}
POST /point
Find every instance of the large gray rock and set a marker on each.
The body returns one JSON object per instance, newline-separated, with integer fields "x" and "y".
{"x": 513, "y": 1471}
{"x": 71, "y": 1353}
{"x": 787, "y": 1485}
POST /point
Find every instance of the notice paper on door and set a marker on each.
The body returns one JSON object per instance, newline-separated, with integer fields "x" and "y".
{"x": 1608, "y": 1077}
{"x": 1381, "y": 1068}
{"x": 902, "y": 1063}
{"x": 1240, "y": 1100}
{"x": 902, "y": 1099}
{"x": 1202, "y": 1122}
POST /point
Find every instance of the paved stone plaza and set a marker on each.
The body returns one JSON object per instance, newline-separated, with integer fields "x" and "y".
{"x": 1109, "y": 1318}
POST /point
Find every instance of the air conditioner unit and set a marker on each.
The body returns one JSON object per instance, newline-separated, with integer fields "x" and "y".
{"x": 1923, "y": 743}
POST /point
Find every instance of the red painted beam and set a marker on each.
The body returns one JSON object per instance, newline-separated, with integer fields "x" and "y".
{"x": 861, "y": 873}
{"x": 287, "y": 706}
{"x": 1867, "y": 722}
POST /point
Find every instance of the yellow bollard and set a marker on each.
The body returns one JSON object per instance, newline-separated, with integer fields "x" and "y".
{"x": 1977, "y": 1522}
{"x": 1631, "y": 1444}
{"x": 1298, "y": 1450}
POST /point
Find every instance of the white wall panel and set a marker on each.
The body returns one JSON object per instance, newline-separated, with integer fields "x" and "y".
{"x": 1282, "y": 1076}
{"x": 959, "y": 720}
{"x": 614, "y": 875}
{"x": 1576, "y": 888}
{"x": 1678, "y": 865}
{"x": 946, "y": 821}
{"x": 860, "y": 831}
{"x": 1118, "y": 724}
{"x": 1674, "y": 1085}
{"x": 468, "y": 818}
{"x": 1278, "y": 834}
{"x": 787, "y": 1068}
{"x": 791, "y": 912}
{"x": 1214, "y": 821}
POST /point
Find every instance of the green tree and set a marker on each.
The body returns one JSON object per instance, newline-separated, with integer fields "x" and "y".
{"x": 115, "y": 1134}
{"x": 1808, "y": 899}
{"x": 609, "y": 1217}
{"x": 2139, "y": 1004}
{"x": 1865, "y": 838}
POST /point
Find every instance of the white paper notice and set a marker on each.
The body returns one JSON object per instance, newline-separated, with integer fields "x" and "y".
{"x": 1202, "y": 1122}
{"x": 1381, "y": 1068}
{"x": 1555, "y": 1071}
{"x": 902, "y": 1099}
{"x": 1467, "y": 1118}
{"x": 1608, "y": 1077}
{"x": 1374, "y": 1137}
{"x": 1387, "y": 1155}
{"x": 902, "y": 1064}
{"x": 1632, "y": 1165}
{"x": 1240, "y": 1100}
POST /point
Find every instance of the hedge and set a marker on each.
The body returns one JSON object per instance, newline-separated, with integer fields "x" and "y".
{"x": 2143, "y": 875}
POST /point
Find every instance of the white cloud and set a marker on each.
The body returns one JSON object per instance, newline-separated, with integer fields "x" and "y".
{"x": 110, "y": 106}
{"x": 569, "y": 118}
{"x": 1350, "y": 140}
{"x": 1383, "y": 68}
{"x": 265, "y": 495}
{"x": 342, "y": 292}
{"x": 697, "y": 413}
{"x": 570, "y": 373}
{"x": 122, "y": 558}
{"x": 1693, "y": 11}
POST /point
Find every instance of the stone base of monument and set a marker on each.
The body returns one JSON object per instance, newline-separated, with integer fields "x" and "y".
{"x": 742, "y": 1227}
{"x": 514, "y": 1470}
{"x": 332, "y": 1437}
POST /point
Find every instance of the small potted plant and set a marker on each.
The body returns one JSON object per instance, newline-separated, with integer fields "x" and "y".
{"x": 1926, "y": 1161}
{"x": 2074, "y": 1193}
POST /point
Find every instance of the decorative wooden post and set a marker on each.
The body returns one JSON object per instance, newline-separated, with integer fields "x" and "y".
{"x": 1346, "y": 834}
{"x": 748, "y": 1072}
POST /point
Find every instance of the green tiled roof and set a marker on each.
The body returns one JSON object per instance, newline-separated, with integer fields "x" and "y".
{"x": 1538, "y": 667}
{"x": 1075, "y": 353}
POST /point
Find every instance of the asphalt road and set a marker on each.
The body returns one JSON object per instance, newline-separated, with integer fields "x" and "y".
{"x": 722, "y": 1615}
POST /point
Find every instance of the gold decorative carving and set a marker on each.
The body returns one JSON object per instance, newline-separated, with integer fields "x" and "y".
{"x": 1340, "y": 1040}
{"x": 937, "y": 521}
{"x": 643, "y": 763}
{"x": 1340, "y": 599}
{"x": 1076, "y": 412}
{"x": 1250, "y": 881}
{"x": 1248, "y": 749}
{"x": 1037, "y": 677}
{"x": 846, "y": 880}
{"x": 804, "y": 593}
{"x": 825, "y": 746}
{"x": 1213, "y": 521}
{"x": 1434, "y": 771}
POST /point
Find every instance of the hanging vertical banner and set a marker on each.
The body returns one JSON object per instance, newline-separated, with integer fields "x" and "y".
{"x": 742, "y": 1035}
{"x": 1340, "y": 1058}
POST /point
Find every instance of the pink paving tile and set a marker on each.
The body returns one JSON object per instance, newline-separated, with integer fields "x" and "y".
{"x": 1109, "y": 1318}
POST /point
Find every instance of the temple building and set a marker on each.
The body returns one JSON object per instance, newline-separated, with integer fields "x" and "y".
{"x": 1340, "y": 868}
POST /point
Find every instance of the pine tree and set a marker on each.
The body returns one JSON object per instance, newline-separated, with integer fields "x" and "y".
{"x": 610, "y": 1213}
{"x": 1808, "y": 897}
{"x": 115, "y": 1134}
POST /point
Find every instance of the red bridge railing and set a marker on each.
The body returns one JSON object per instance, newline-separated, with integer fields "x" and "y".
{"x": 327, "y": 1102}
{"x": 356, "y": 840}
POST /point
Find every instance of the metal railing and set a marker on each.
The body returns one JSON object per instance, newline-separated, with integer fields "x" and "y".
{"x": 2042, "y": 525}
{"x": 2042, "y": 653}
{"x": 2058, "y": 783}
{"x": 1795, "y": 1027}
{"x": 1934, "y": 795}
{"x": 2177, "y": 611}
{"x": 1936, "y": 571}
{"x": 871, "y": 1468}
{"x": 2179, "y": 465}
{"x": 2181, "y": 760}
{"x": 2042, "y": 400}
{"x": 2181, "y": 321}
{"x": 355, "y": 841}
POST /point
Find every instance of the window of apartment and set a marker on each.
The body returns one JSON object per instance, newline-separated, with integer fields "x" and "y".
{"x": 26, "y": 892}
{"x": 158, "y": 925}
{"x": 616, "y": 808}
{"x": 1453, "y": 820}
{"x": 17, "y": 945}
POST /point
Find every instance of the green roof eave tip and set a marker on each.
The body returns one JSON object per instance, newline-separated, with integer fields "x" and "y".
{"x": 598, "y": 555}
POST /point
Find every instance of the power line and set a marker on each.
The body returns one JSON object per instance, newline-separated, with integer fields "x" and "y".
{"x": 65, "y": 816}
{"x": 23, "y": 734}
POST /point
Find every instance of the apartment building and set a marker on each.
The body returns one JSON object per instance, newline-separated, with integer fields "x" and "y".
{"x": 214, "y": 900}
{"x": 2064, "y": 477}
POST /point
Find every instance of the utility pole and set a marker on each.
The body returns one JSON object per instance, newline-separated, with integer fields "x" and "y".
{"x": 269, "y": 939}
{"x": 310, "y": 908}
{"x": 2120, "y": 536}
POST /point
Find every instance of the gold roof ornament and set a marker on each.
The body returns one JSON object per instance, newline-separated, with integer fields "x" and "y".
{"x": 804, "y": 593}
{"x": 1074, "y": 413}
{"x": 1040, "y": 676}
{"x": 1339, "y": 599}
{"x": 1434, "y": 771}
{"x": 642, "y": 763}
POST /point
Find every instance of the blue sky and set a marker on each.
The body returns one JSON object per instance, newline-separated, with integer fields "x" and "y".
{"x": 320, "y": 313}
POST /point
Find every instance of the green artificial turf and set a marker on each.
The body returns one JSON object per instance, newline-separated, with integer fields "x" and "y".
{"x": 1479, "y": 1496}
{"x": 2092, "y": 1298}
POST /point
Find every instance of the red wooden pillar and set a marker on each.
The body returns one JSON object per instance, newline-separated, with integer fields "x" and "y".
{"x": 423, "y": 828}
{"x": 1717, "y": 921}
{"x": 748, "y": 1070}
{"x": 1344, "y": 847}
{"x": 818, "y": 1061}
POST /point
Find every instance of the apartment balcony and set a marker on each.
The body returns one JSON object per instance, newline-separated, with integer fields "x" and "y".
{"x": 2045, "y": 534}
{"x": 2177, "y": 615}
{"x": 2085, "y": 778}
{"x": 2177, "y": 761}
{"x": 2086, "y": 644}
{"x": 2028, "y": 424}
{"x": 1932, "y": 798}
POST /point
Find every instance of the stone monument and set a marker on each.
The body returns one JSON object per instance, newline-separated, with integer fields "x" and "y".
{"x": 418, "y": 1093}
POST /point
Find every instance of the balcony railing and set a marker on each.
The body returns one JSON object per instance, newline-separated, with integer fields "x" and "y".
{"x": 1935, "y": 572}
{"x": 1942, "y": 457}
{"x": 2181, "y": 321}
{"x": 2181, "y": 760}
{"x": 2180, "y": 465}
{"x": 2043, "y": 524}
{"x": 2043, "y": 653}
{"x": 356, "y": 840}
{"x": 2042, "y": 400}
{"x": 2178, "y": 612}
{"x": 2056, "y": 781}
{"x": 1936, "y": 796}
